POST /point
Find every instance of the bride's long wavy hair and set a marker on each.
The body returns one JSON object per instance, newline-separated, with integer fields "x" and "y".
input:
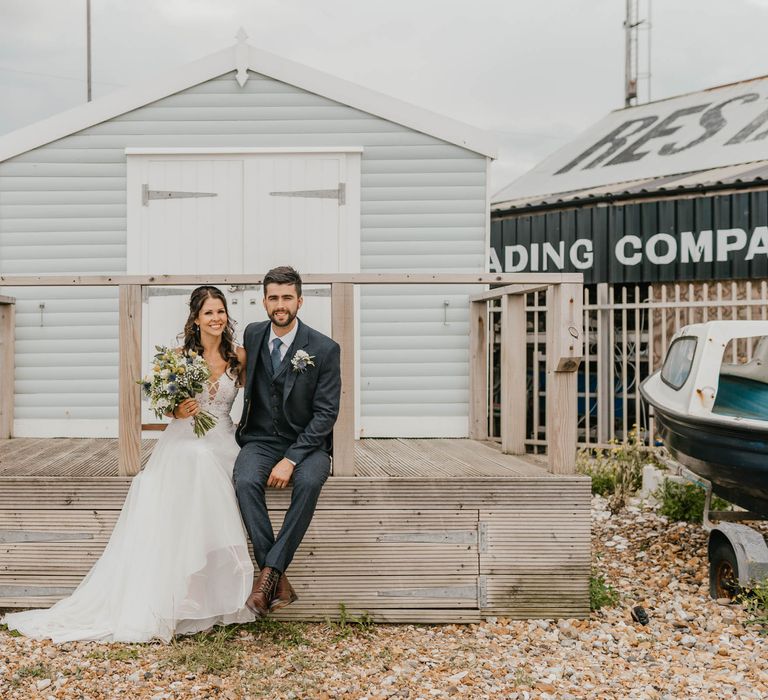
{"x": 192, "y": 330}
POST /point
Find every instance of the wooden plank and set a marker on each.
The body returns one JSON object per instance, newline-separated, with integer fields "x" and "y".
{"x": 129, "y": 414}
{"x": 513, "y": 375}
{"x": 393, "y": 548}
{"x": 86, "y": 457}
{"x": 565, "y": 337}
{"x": 561, "y": 492}
{"x": 535, "y": 541}
{"x": 515, "y": 289}
{"x": 478, "y": 370}
{"x": 343, "y": 325}
{"x": 550, "y": 595}
{"x": 538, "y": 278}
{"x": 7, "y": 365}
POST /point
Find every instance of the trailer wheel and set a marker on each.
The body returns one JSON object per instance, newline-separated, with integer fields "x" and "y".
{"x": 723, "y": 571}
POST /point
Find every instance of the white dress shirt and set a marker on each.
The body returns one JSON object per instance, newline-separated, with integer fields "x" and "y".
{"x": 286, "y": 339}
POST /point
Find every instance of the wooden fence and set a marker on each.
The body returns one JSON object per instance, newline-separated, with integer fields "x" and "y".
{"x": 561, "y": 309}
{"x": 627, "y": 330}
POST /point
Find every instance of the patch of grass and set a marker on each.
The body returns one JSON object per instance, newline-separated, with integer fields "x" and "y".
{"x": 601, "y": 593}
{"x": 284, "y": 634}
{"x": 115, "y": 654}
{"x": 350, "y": 624}
{"x": 684, "y": 502}
{"x": 207, "y": 652}
{"x": 522, "y": 677}
{"x": 755, "y": 602}
{"x": 34, "y": 671}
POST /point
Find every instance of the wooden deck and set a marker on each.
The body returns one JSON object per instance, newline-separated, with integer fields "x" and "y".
{"x": 429, "y": 530}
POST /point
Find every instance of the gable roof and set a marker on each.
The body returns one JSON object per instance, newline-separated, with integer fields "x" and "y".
{"x": 718, "y": 127}
{"x": 243, "y": 57}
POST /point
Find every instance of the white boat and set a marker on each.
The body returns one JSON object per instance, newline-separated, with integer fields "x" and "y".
{"x": 710, "y": 404}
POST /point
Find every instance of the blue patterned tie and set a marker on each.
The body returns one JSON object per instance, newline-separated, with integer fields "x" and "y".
{"x": 275, "y": 355}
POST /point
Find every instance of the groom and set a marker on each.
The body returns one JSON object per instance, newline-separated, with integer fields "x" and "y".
{"x": 291, "y": 402}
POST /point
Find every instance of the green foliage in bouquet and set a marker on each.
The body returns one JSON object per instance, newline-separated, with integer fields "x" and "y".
{"x": 178, "y": 376}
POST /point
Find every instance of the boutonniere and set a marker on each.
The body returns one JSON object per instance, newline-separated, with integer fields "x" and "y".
{"x": 301, "y": 360}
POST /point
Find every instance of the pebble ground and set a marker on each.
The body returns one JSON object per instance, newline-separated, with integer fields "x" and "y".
{"x": 692, "y": 646}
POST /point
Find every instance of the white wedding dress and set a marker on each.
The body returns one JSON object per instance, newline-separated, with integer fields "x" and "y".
{"x": 178, "y": 560}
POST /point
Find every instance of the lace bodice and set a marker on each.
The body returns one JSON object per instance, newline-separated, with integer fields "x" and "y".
{"x": 218, "y": 396}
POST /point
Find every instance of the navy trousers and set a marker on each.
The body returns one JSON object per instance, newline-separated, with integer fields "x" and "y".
{"x": 252, "y": 469}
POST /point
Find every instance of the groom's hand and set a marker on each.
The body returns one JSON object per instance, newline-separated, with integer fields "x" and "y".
{"x": 281, "y": 474}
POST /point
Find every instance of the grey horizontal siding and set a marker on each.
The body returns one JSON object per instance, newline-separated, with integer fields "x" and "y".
{"x": 423, "y": 208}
{"x": 66, "y": 353}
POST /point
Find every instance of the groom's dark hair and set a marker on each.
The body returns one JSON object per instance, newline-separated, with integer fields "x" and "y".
{"x": 284, "y": 274}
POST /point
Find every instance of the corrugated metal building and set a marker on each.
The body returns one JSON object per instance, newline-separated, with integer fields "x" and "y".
{"x": 272, "y": 163}
{"x": 674, "y": 191}
{"x": 667, "y": 191}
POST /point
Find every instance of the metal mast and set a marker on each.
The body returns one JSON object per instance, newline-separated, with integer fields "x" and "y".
{"x": 634, "y": 24}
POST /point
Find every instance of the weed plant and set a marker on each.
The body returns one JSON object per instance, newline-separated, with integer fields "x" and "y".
{"x": 616, "y": 471}
{"x": 755, "y": 602}
{"x": 684, "y": 502}
{"x": 601, "y": 593}
{"x": 348, "y": 624}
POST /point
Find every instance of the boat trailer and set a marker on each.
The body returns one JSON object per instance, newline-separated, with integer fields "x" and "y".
{"x": 737, "y": 553}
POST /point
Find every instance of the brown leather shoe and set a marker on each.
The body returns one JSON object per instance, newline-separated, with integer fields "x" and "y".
{"x": 284, "y": 594}
{"x": 263, "y": 591}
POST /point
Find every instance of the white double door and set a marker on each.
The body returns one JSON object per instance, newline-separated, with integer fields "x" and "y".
{"x": 210, "y": 214}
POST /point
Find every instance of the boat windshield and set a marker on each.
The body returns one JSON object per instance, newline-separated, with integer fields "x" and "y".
{"x": 742, "y": 389}
{"x": 677, "y": 365}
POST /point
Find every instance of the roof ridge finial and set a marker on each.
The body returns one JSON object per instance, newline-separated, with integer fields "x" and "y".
{"x": 241, "y": 57}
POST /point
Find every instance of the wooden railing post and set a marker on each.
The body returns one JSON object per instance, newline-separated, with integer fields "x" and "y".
{"x": 604, "y": 366}
{"x": 129, "y": 415}
{"x": 514, "y": 403}
{"x": 7, "y": 364}
{"x": 565, "y": 342}
{"x": 343, "y": 332}
{"x": 478, "y": 370}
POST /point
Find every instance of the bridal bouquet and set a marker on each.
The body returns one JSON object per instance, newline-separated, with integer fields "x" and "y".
{"x": 178, "y": 376}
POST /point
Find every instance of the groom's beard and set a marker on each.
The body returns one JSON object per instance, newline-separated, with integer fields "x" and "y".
{"x": 287, "y": 320}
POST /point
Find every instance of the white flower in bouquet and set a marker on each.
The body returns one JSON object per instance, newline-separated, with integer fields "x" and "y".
{"x": 178, "y": 376}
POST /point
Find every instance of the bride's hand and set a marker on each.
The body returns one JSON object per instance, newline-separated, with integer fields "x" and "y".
{"x": 187, "y": 409}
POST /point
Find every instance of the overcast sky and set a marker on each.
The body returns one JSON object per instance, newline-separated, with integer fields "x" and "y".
{"x": 534, "y": 73}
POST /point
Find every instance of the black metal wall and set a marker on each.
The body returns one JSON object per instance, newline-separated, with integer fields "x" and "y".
{"x": 606, "y": 224}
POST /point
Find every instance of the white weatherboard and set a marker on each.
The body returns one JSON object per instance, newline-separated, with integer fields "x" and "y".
{"x": 708, "y": 129}
{"x": 422, "y": 208}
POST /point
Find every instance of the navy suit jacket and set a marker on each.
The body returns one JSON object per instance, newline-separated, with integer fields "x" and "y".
{"x": 310, "y": 398}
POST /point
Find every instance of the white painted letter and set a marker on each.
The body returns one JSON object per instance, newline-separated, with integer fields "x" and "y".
{"x": 652, "y": 254}
{"x": 724, "y": 246}
{"x": 621, "y": 247}
{"x": 758, "y": 244}
{"x": 548, "y": 252}
{"x": 586, "y": 262}
{"x": 509, "y": 257}
{"x": 494, "y": 264}
{"x": 696, "y": 249}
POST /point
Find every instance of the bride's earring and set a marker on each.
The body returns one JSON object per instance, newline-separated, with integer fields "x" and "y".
{"x": 197, "y": 328}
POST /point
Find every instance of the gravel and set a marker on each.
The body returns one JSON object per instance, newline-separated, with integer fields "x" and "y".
{"x": 692, "y": 646}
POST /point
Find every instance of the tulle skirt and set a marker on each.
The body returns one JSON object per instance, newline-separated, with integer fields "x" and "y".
{"x": 177, "y": 561}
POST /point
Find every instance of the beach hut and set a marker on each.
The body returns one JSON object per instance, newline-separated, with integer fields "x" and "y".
{"x": 217, "y": 171}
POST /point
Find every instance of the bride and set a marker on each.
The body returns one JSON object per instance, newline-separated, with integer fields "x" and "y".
{"x": 178, "y": 560}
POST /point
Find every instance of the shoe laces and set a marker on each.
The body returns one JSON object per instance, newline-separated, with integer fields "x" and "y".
{"x": 269, "y": 582}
